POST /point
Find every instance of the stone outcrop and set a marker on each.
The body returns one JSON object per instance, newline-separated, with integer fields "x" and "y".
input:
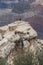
{"x": 0, "y": 36}
{"x": 3, "y": 29}
{"x": 19, "y": 33}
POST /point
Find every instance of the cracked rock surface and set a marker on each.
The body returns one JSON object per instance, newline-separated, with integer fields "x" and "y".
{"x": 20, "y": 33}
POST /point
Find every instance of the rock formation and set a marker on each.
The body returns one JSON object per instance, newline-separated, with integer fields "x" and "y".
{"x": 20, "y": 34}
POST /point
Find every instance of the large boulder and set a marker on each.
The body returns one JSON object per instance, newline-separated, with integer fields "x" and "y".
{"x": 21, "y": 33}
{"x": 3, "y": 42}
{"x": 6, "y": 47}
{"x": 12, "y": 26}
{"x": 26, "y": 44}
{"x": 26, "y": 29}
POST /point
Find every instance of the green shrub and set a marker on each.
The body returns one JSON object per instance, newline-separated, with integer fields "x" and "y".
{"x": 29, "y": 58}
{"x": 2, "y": 61}
{"x": 39, "y": 54}
{"x": 23, "y": 59}
{"x": 40, "y": 58}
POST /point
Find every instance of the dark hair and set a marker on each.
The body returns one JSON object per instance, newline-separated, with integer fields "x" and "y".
{"x": 20, "y": 19}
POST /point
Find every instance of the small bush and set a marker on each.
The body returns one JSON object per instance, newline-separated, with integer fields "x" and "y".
{"x": 23, "y": 59}
{"x": 2, "y": 61}
{"x": 40, "y": 58}
{"x": 39, "y": 54}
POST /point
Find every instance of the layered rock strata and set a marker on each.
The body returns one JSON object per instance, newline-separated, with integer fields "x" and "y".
{"x": 20, "y": 34}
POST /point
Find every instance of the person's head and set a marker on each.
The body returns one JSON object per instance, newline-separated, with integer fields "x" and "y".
{"x": 20, "y": 19}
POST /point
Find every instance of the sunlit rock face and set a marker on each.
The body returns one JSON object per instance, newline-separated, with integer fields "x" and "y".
{"x": 19, "y": 32}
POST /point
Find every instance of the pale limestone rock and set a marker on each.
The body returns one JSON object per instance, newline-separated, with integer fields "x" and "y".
{"x": 7, "y": 49}
{"x": 26, "y": 29}
{"x": 8, "y": 34}
{"x": 32, "y": 33}
{"x": 22, "y": 28}
{"x": 19, "y": 23}
{"x": 3, "y": 29}
{"x": 40, "y": 41}
{"x": 26, "y": 43}
{"x": 3, "y": 42}
{"x": 0, "y": 36}
{"x": 16, "y": 37}
{"x": 11, "y": 36}
{"x": 12, "y": 26}
{"x": 26, "y": 36}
